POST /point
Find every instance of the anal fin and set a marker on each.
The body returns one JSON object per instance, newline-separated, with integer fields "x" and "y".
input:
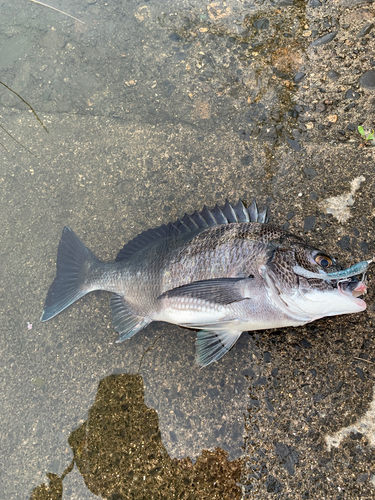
{"x": 124, "y": 320}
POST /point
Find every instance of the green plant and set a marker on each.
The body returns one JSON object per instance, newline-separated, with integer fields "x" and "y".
{"x": 370, "y": 136}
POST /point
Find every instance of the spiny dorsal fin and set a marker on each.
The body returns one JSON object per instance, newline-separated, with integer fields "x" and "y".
{"x": 196, "y": 222}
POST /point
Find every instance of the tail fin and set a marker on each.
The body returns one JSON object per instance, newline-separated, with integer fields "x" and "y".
{"x": 74, "y": 261}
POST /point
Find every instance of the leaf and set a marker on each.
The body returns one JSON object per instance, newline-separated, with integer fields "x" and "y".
{"x": 361, "y": 131}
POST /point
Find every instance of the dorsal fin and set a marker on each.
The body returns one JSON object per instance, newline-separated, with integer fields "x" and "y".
{"x": 195, "y": 222}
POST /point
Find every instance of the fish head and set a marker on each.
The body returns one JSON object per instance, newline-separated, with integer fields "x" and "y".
{"x": 309, "y": 298}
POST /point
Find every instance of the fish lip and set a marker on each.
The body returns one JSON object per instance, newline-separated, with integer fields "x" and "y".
{"x": 354, "y": 294}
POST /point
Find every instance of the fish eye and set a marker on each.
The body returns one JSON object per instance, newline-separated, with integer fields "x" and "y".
{"x": 323, "y": 260}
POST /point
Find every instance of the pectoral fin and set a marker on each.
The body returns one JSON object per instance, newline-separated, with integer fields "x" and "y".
{"x": 220, "y": 291}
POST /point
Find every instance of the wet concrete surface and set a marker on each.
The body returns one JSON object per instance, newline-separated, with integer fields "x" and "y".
{"x": 153, "y": 110}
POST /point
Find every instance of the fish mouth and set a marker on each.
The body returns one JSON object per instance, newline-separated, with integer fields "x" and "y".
{"x": 353, "y": 290}
{"x": 306, "y": 303}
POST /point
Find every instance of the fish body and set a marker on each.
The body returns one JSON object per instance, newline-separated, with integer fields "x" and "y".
{"x": 220, "y": 272}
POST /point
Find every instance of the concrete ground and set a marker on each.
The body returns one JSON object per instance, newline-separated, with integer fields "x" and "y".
{"x": 154, "y": 109}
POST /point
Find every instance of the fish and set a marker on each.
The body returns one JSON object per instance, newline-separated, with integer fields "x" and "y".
{"x": 221, "y": 272}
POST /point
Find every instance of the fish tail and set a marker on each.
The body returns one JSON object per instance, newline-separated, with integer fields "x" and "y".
{"x": 74, "y": 265}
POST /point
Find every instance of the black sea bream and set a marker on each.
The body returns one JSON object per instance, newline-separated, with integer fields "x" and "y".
{"x": 222, "y": 272}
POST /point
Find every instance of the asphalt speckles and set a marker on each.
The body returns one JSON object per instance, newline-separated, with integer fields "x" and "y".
{"x": 153, "y": 113}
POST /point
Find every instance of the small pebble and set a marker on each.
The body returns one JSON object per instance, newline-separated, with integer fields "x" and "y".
{"x": 366, "y": 30}
{"x": 308, "y": 224}
{"x": 333, "y": 75}
{"x": 324, "y": 39}
{"x": 364, "y": 247}
{"x": 293, "y": 144}
{"x": 298, "y": 77}
{"x": 367, "y": 80}
{"x": 261, "y": 24}
{"x": 175, "y": 37}
{"x": 260, "y": 381}
{"x": 310, "y": 172}
{"x": 180, "y": 56}
{"x": 296, "y": 133}
{"x": 360, "y": 374}
{"x": 318, "y": 397}
{"x": 362, "y": 478}
{"x": 356, "y": 436}
{"x": 351, "y": 94}
{"x": 267, "y": 357}
{"x": 344, "y": 243}
{"x": 273, "y": 485}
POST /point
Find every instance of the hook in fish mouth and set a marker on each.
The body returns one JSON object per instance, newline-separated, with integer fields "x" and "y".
{"x": 346, "y": 280}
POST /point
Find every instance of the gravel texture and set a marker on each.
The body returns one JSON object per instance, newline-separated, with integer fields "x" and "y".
{"x": 153, "y": 110}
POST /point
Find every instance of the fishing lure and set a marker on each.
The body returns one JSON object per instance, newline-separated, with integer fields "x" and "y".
{"x": 359, "y": 268}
